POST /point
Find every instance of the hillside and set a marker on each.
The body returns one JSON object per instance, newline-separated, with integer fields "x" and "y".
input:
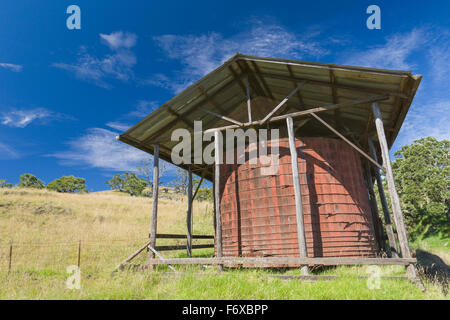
{"x": 46, "y": 229}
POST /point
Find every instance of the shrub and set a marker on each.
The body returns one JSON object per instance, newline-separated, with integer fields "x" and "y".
{"x": 28, "y": 180}
{"x": 127, "y": 182}
{"x": 69, "y": 184}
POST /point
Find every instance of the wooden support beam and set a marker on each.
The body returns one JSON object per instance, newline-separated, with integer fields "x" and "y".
{"x": 378, "y": 228}
{"x": 245, "y": 69}
{"x": 271, "y": 113}
{"x": 237, "y": 78}
{"x": 152, "y": 249}
{"x": 266, "y": 87}
{"x": 180, "y": 117}
{"x": 183, "y": 247}
{"x": 211, "y": 100}
{"x": 170, "y": 124}
{"x": 287, "y": 261}
{"x": 249, "y": 106}
{"x": 222, "y": 117}
{"x": 198, "y": 187}
{"x": 307, "y": 112}
{"x": 291, "y": 73}
{"x": 297, "y": 195}
{"x": 395, "y": 200}
{"x": 346, "y": 140}
{"x": 189, "y": 215}
{"x": 337, "y": 112}
{"x": 131, "y": 257}
{"x": 217, "y": 155}
{"x": 155, "y": 198}
{"x": 384, "y": 204}
{"x": 182, "y": 236}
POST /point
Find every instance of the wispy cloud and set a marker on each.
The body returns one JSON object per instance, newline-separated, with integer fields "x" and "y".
{"x": 20, "y": 118}
{"x": 419, "y": 124}
{"x": 98, "y": 148}
{"x": 116, "y": 65}
{"x": 119, "y": 39}
{"x": 7, "y": 152}
{"x": 394, "y": 54}
{"x": 119, "y": 126}
{"x": 11, "y": 66}
{"x": 143, "y": 108}
{"x": 200, "y": 54}
{"x": 439, "y": 57}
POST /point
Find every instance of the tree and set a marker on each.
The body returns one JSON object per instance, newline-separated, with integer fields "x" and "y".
{"x": 28, "y": 180}
{"x": 128, "y": 182}
{"x": 4, "y": 184}
{"x": 68, "y": 184}
{"x": 422, "y": 174}
{"x": 146, "y": 170}
{"x": 181, "y": 181}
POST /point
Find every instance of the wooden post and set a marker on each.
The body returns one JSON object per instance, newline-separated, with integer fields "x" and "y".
{"x": 10, "y": 256}
{"x": 189, "y": 214}
{"x": 395, "y": 200}
{"x": 217, "y": 155}
{"x": 374, "y": 209}
{"x": 79, "y": 253}
{"x": 384, "y": 205}
{"x": 155, "y": 198}
{"x": 249, "y": 107}
{"x": 297, "y": 193}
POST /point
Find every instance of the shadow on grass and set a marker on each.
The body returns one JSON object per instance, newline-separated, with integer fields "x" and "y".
{"x": 434, "y": 268}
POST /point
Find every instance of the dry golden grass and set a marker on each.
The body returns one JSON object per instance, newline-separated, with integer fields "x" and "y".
{"x": 46, "y": 226}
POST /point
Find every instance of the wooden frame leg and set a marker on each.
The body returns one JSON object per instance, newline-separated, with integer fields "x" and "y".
{"x": 384, "y": 205}
{"x": 155, "y": 198}
{"x": 374, "y": 209}
{"x": 189, "y": 214}
{"x": 217, "y": 197}
{"x": 297, "y": 194}
{"x": 395, "y": 200}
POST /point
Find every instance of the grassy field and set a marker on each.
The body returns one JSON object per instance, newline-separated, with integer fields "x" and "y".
{"x": 46, "y": 228}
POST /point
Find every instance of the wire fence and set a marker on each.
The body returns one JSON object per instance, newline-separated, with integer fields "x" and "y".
{"x": 90, "y": 255}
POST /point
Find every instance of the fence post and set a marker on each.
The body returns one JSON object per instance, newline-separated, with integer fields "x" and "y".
{"x": 10, "y": 255}
{"x": 79, "y": 253}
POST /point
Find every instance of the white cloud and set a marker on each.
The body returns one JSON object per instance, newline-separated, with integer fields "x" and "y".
{"x": 118, "y": 126}
{"x": 22, "y": 118}
{"x": 419, "y": 124}
{"x": 7, "y": 152}
{"x": 119, "y": 39}
{"x": 12, "y": 67}
{"x": 98, "y": 148}
{"x": 393, "y": 54}
{"x": 439, "y": 57}
{"x": 200, "y": 54}
{"x": 143, "y": 108}
{"x": 117, "y": 65}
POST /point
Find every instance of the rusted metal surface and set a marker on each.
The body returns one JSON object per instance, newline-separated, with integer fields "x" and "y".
{"x": 258, "y": 211}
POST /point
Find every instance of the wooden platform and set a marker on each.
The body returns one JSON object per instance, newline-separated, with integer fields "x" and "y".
{"x": 294, "y": 261}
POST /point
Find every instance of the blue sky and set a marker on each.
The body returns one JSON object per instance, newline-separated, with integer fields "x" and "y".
{"x": 65, "y": 94}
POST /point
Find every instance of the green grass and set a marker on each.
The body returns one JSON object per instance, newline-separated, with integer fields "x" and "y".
{"x": 231, "y": 284}
{"x": 46, "y": 227}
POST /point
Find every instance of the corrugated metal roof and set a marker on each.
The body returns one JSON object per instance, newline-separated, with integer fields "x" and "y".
{"x": 271, "y": 80}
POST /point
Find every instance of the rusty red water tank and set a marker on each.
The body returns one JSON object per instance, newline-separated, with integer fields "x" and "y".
{"x": 258, "y": 211}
